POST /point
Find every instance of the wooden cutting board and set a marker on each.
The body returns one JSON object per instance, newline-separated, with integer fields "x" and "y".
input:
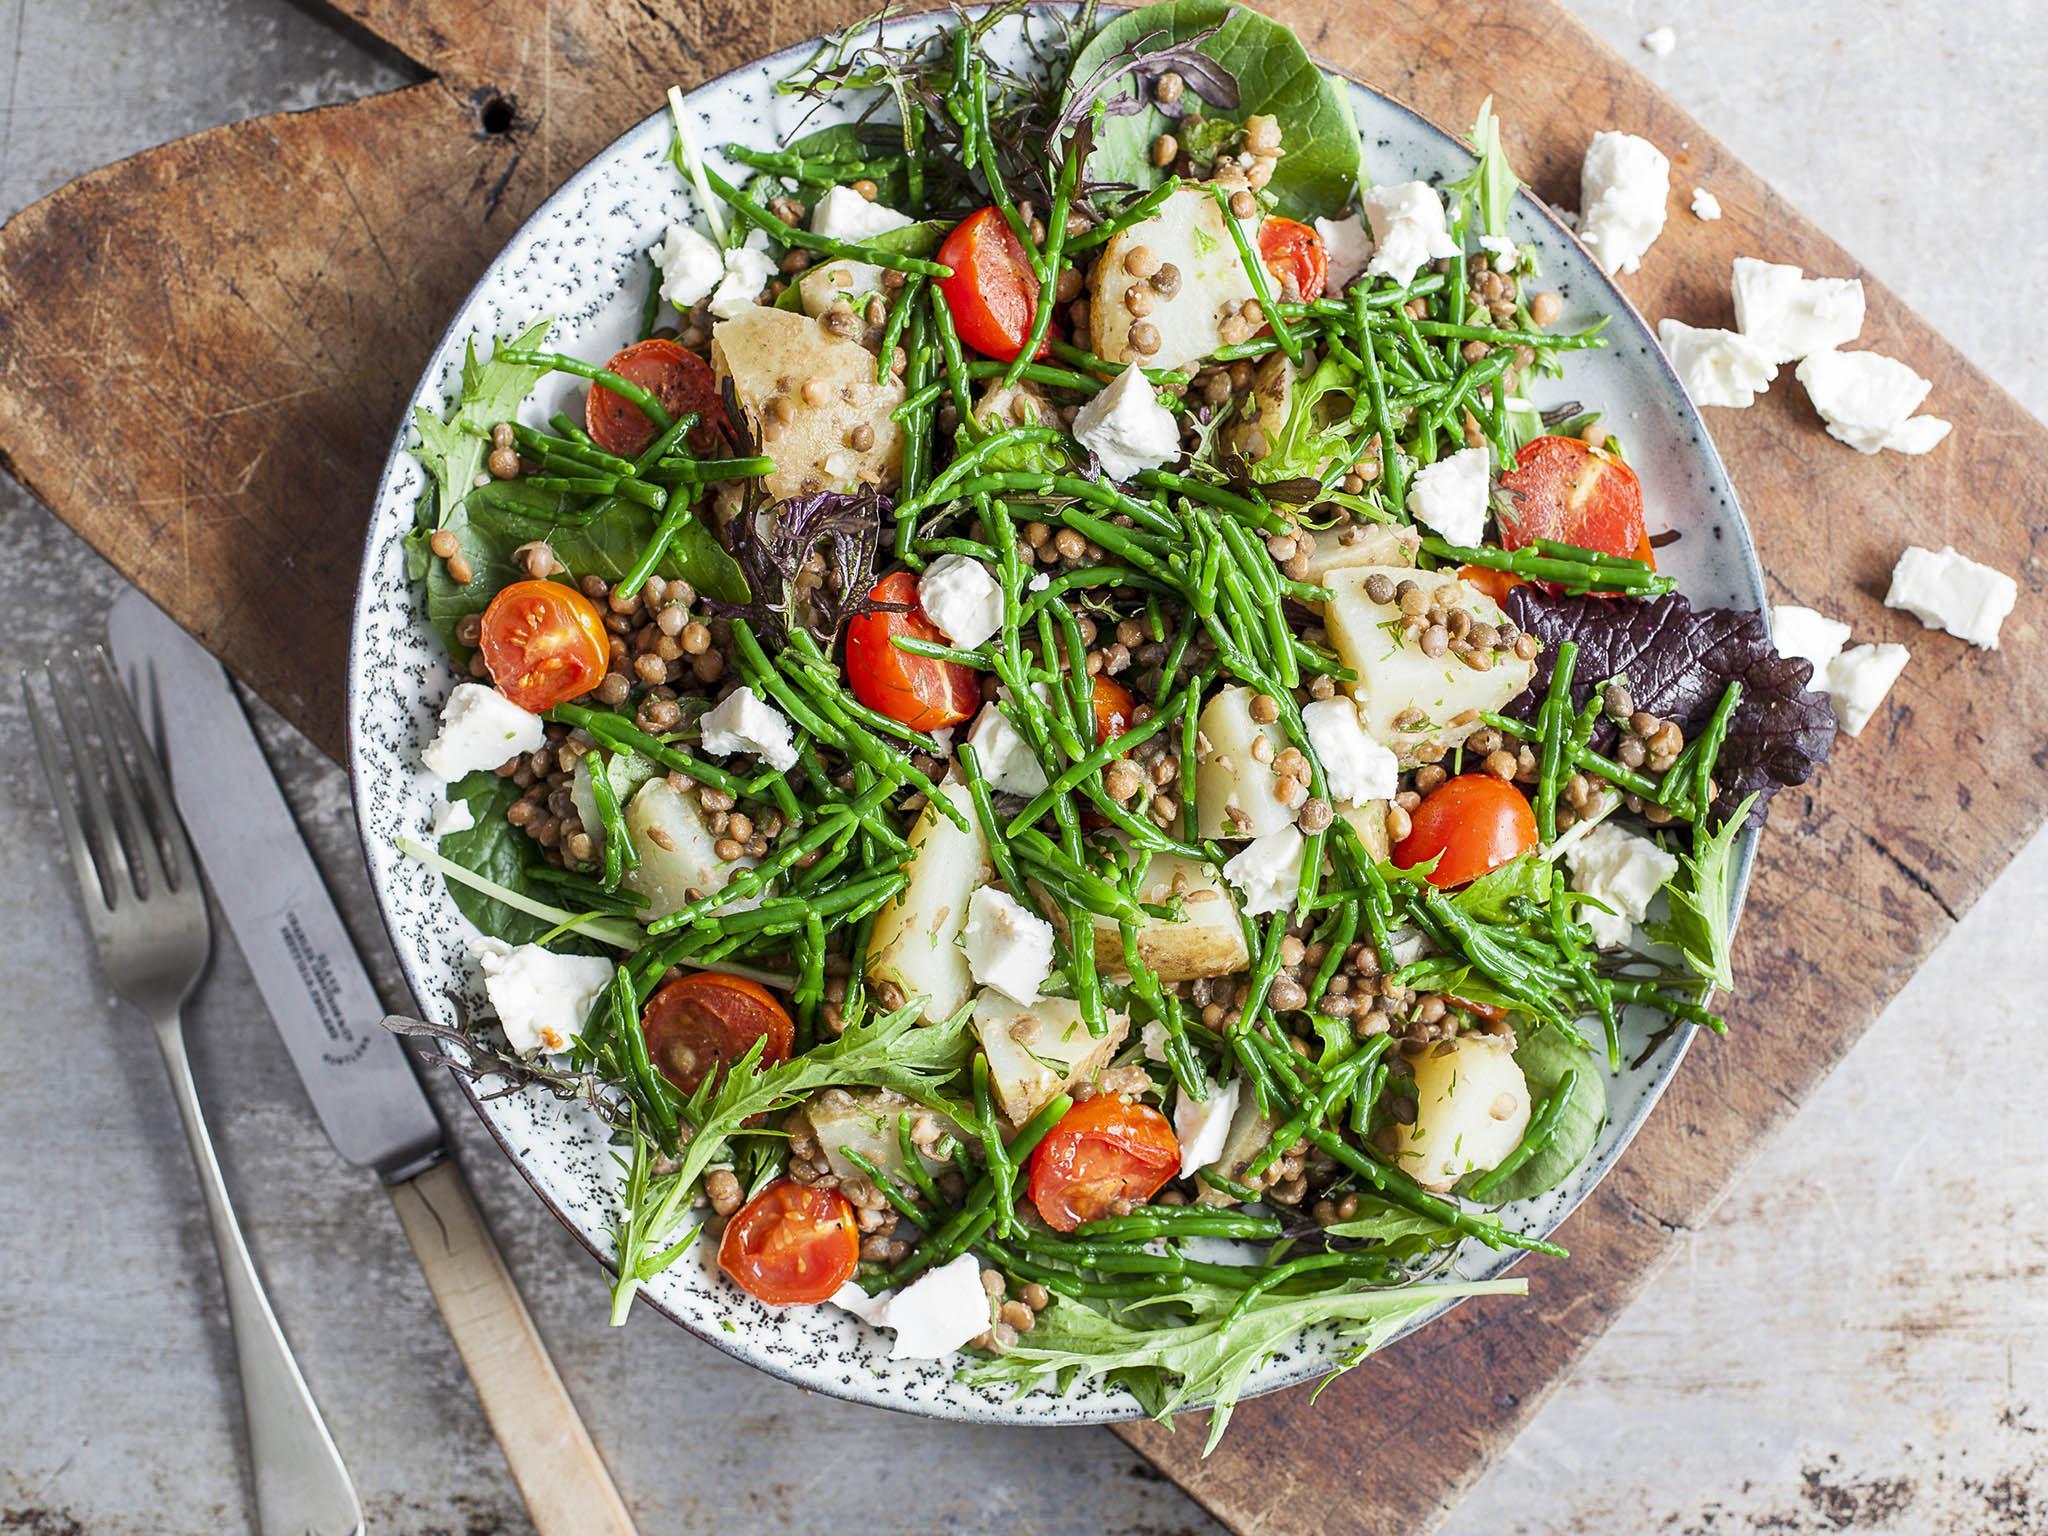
{"x": 206, "y": 349}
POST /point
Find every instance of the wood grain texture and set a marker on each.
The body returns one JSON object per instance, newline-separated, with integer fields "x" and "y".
{"x": 564, "y": 1483}
{"x": 204, "y": 352}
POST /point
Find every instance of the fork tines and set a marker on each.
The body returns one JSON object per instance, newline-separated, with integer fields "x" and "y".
{"x": 120, "y": 822}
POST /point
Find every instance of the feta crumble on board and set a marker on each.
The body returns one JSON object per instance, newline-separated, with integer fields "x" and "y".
{"x": 1859, "y": 679}
{"x": 1007, "y": 761}
{"x": 1868, "y": 400}
{"x": 741, "y": 722}
{"x": 1623, "y": 187}
{"x": 1126, "y": 427}
{"x": 1407, "y": 229}
{"x": 1945, "y": 590}
{"x": 1717, "y": 367}
{"x": 1348, "y": 247}
{"x": 1355, "y": 767}
{"x": 1811, "y": 636}
{"x": 1624, "y": 871}
{"x": 1203, "y": 1125}
{"x": 1267, "y": 871}
{"x": 1660, "y": 40}
{"x": 1451, "y": 495}
{"x": 747, "y": 270}
{"x": 843, "y": 214}
{"x": 480, "y": 728}
{"x": 1792, "y": 315}
{"x": 960, "y": 596}
{"x": 937, "y": 1314}
{"x": 1009, "y": 947}
{"x": 542, "y": 998}
{"x": 1705, "y": 206}
{"x": 691, "y": 266}
{"x": 449, "y": 817}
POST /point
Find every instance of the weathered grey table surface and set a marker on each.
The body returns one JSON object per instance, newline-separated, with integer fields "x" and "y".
{"x": 1857, "y": 1341}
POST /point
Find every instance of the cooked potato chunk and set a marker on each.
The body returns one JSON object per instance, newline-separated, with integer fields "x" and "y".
{"x": 1189, "y": 234}
{"x": 1471, "y": 1107}
{"x": 1361, "y": 544}
{"x": 1037, "y": 1052}
{"x": 1369, "y": 820}
{"x": 915, "y": 944}
{"x": 1207, "y": 941}
{"x": 1250, "y": 1130}
{"x": 822, "y": 286}
{"x": 865, "y": 1119}
{"x": 1234, "y": 790}
{"x": 678, "y": 853}
{"x": 1271, "y": 400}
{"x": 1408, "y": 699}
{"x": 771, "y": 356}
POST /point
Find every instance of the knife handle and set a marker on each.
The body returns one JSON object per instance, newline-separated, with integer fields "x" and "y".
{"x": 566, "y": 1487}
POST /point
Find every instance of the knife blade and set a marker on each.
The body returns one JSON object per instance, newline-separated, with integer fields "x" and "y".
{"x": 263, "y": 877}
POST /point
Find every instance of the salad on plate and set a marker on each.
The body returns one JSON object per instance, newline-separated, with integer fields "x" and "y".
{"x": 1078, "y": 748}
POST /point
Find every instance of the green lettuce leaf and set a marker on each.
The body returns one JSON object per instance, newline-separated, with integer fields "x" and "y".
{"x": 1699, "y": 896}
{"x": 497, "y": 850}
{"x": 1544, "y": 1055}
{"x": 1490, "y": 186}
{"x": 452, "y": 452}
{"x": 1320, "y": 171}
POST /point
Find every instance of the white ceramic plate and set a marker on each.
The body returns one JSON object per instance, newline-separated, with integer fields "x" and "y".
{"x": 580, "y": 258}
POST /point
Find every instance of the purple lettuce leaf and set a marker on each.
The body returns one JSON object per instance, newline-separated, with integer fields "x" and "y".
{"x": 1678, "y": 660}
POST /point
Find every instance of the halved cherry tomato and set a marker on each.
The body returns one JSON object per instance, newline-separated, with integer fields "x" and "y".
{"x": 791, "y": 1243}
{"x": 1495, "y": 584}
{"x": 701, "y": 1024}
{"x": 993, "y": 293}
{"x": 921, "y": 691}
{"x": 1566, "y": 489}
{"x": 544, "y": 643}
{"x": 1113, "y": 705}
{"x": 677, "y": 377}
{"x": 1294, "y": 250}
{"x": 1486, "y": 1011}
{"x": 1103, "y": 1150}
{"x": 1475, "y": 822}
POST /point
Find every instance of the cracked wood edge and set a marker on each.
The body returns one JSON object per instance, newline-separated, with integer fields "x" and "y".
{"x": 258, "y": 301}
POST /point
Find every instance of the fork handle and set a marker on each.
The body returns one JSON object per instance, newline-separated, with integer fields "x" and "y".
{"x": 560, "y": 1476}
{"x": 302, "y": 1488}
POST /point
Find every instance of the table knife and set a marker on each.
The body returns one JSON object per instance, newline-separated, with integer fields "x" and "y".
{"x": 358, "y": 1075}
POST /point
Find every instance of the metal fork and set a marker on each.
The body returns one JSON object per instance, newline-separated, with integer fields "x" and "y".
{"x": 147, "y": 910}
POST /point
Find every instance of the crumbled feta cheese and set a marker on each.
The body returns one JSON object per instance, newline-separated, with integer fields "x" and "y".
{"x": 1660, "y": 40}
{"x": 1624, "y": 871}
{"x": 480, "y": 728}
{"x": 1126, "y": 427}
{"x": 1039, "y": 582}
{"x": 960, "y": 596}
{"x": 1499, "y": 245}
{"x": 747, "y": 270}
{"x": 1406, "y": 945}
{"x": 1007, "y": 761}
{"x": 1152, "y": 1040}
{"x": 1267, "y": 870}
{"x": 1868, "y": 401}
{"x": 1452, "y": 494}
{"x": 1348, "y": 247}
{"x": 1623, "y": 186}
{"x": 1407, "y": 229}
{"x": 1717, "y": 367}
{"x": 542, "y": 998}
{"x": 869, "y": 1309}
{"x": 741, "y": 722}
{"x": 843, "y": 214}
{"x": 939, "y": 1312}
{"x": 691, "y": 266}
{"x": 1355, "y": 767}
{"x": 1792, "y": 315}
{"x": 450, "y": 816}
{"x": 1815, "y": 637}
{"x": 1009, "y": 947}
{"x": 1946, "y": 591}
{"x": 1705, "y": 205}
{"x": 1203, "y": 1125}
{"x": 1858, "y": 680}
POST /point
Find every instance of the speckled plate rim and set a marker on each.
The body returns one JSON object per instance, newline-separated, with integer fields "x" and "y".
{"x": 1039, "y": 1407}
